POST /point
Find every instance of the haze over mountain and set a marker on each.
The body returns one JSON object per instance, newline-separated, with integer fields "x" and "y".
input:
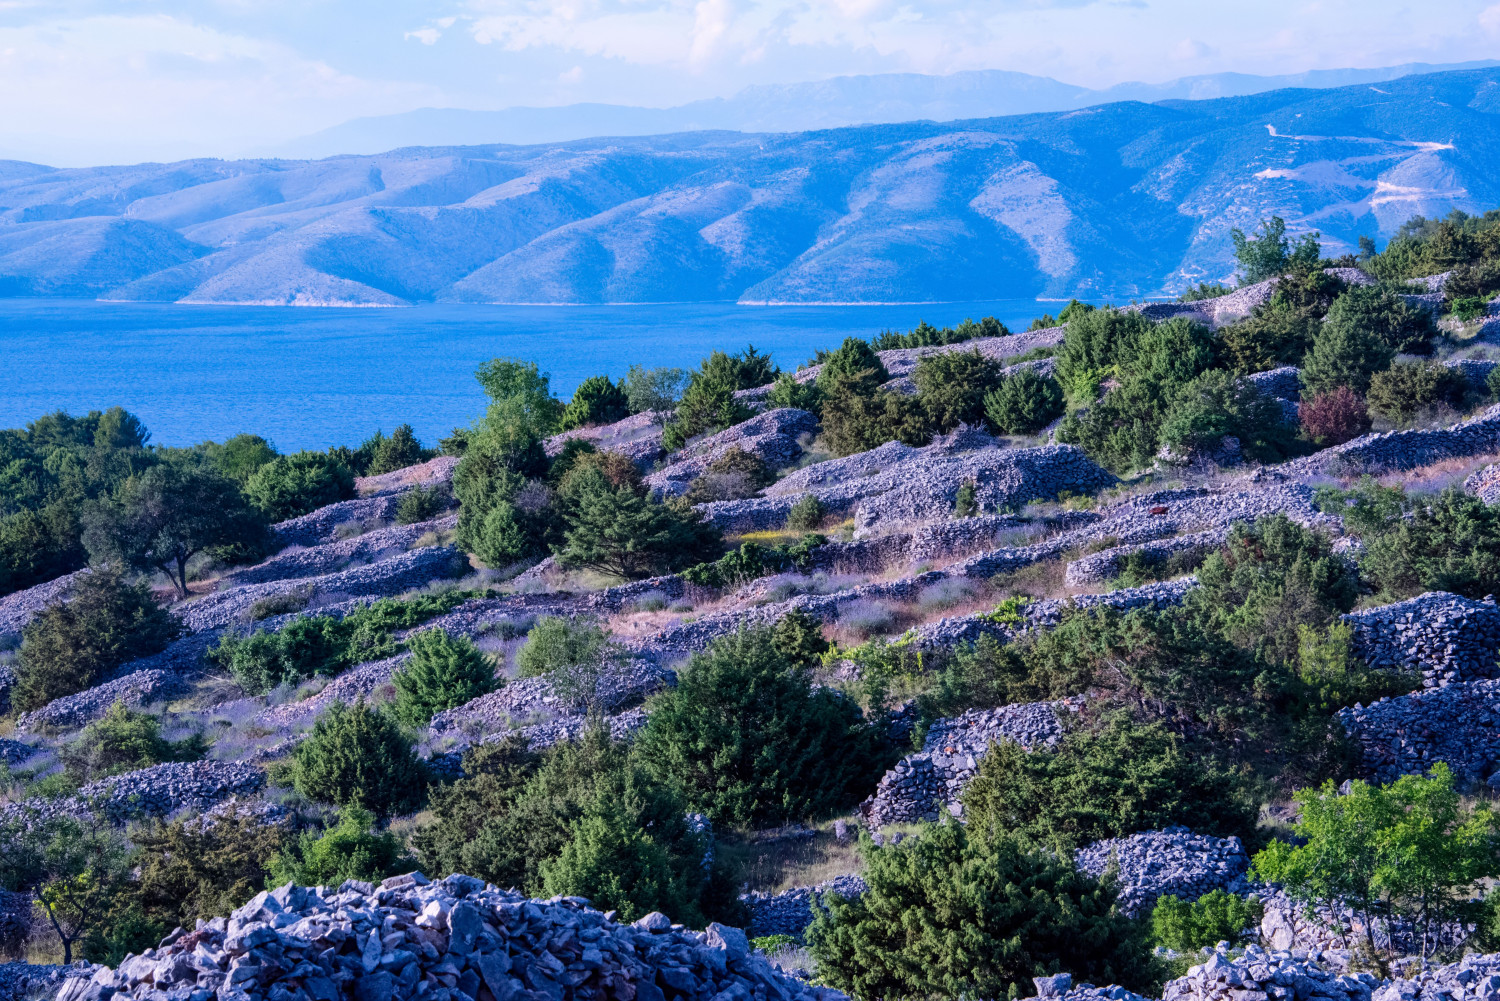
{"x": 1118, "y": 200}
{"x": 824, "y": 104}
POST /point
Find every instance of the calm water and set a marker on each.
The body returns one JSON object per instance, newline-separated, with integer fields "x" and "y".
{"x": 313, "y": 377}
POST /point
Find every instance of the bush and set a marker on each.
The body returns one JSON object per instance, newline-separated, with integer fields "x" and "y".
{"x": 752, "y": 561}
{"x": 187, "y": 870}
{"x": 121, "y": 741}
{"x": 707, "y": 406}
{"x": 400, "y": 450}
{"x": 1266, "y": 581}
{"x": 595, "y": 401}
{"x": 950, "y": 915}
{"x": 1096, "y": 343}
{"x": 581, "y": 818}
{"x": 556, "y": 643}
{"x": 1270, "y": 253}
{"x": 857, "y": 418}
{"x": 350, "y": 849}
{"x": 925, "y": 334}
{"x": 952, "y": 385}
{"x": 805, "y": 515}
{"x": 853, "y": 360}
{"x": 747, "y": 739}
{"x": 1204, "y": 290}
{"x": 1024, "y": 402}
{"x": 239, "y": 457}
{"x": 356, "y": 755}
{"x": 788, "y": 392}
{"x": 444, "y": 671}
{"x": 734, "y": 475}
{"x": 1217, "y": 404}
{"x": 1334, "y": 417}
{"x": 1407, "y": 388}
{"x": 421, "y": 504}
{"x": 658, "y": 389}
{"x": 1122, "y": 778}
{"x": 1449, "y": 543}
{"x": 625, "y": 532}
{"x": 1365, "y": 328}
{"x": 72, "y": 646}
{"x": 966, "y": 500}
{"x": 1215, "y": 917}
{"x": 292, "y": 485}
{"x": 303, "y": 648}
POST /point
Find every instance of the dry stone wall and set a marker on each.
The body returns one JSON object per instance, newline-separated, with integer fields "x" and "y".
{"x": 1458, "y": 724}
{"x": 1170, "y": 861}
{"x": 637, "y": 437}
{"x": 770, "y": 437}
{"x": 318, "y": 527}
{"x": 1397, "y": 450}
{"x": 1485, "y": 484}
{"x": 20, "y": 607}
{"x": 433, "y": 472}
{"x": 791, "y": 911}
{"x": 1445, "y": 638}
{"x": 295, "y": 562}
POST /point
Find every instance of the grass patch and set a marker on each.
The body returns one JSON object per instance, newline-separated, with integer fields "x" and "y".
{"x": 772, "y": 866}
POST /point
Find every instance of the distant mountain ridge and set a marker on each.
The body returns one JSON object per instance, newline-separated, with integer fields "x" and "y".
{"x": 800, "y": 107}
{"x": 1119, "y": 200}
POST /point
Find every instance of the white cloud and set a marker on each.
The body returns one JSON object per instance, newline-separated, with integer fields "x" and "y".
{"x": 571, "y": 76}
{"x": 427, "y": 36}
{"x": 1489, "y": 20}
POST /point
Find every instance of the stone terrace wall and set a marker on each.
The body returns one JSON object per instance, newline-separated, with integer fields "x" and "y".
{"x": 320, "y": 526}
{"x": 1396, "y": 450}
{"x": 423, "y": 474}
{"x": 1485, "y": 484}
{"x": 790, "y": 912}
{"x": 20, "y": 607}
{"x": 1170, "y": 861}
{"x": 1096, "y": 568}
{"x": 1458, "y": 724}
{"x": 922, "y": 784}
{"x": 1444, "y": 637}
{"x": 331, "y": 557}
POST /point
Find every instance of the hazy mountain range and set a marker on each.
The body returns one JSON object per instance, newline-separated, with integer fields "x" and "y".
{"x": 1118, "y": 200}
{"x": 801, "y": 107}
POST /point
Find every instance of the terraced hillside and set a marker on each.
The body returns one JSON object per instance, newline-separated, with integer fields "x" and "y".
{"x": 821, "y": 656}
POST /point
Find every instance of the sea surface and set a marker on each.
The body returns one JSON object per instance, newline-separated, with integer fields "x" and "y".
{"x": 312, "y": 377}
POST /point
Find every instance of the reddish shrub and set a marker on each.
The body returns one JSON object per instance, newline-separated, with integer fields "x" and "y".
{"x": 1334, "y": 417}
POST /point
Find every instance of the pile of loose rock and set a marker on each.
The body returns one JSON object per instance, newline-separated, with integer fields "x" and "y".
{"x": 1259, "y": 975}
{"x": 1396, "y": 450}
{"x": 433, "y": 472}
{"x": 1485, "y": 484}
{"x": 158, "y": 791}
{"x": 924, "y": 784}
{"x": 637, "y": 437}
{"x": 20, "y": 607}
{"x": 948, "y": 631}
{"x": 294, "y": 562}
{"x": 615, "y": 689}
{"x": 1171, "y": 861}
{"x": 1474, "y": 976}
{"x": 1458, "y": 724}
{"x": 790, "y": 912}
{"x": 1444, "y": 637}
{"x": 447, "y": 941}
{"x": 324, "y": 525}
{"x": 771, "y": 437}
{"x": 137, "y": 687}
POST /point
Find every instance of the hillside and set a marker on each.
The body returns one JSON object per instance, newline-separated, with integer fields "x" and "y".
{"x": 1118, "y": 200}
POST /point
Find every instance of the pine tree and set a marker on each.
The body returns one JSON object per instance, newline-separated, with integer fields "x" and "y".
{"x": 444, "y": 671}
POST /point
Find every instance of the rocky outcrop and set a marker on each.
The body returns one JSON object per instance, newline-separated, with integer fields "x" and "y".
{"x": 1442, "y": 637}
{"x": 433, "y": 472}
{"x": 923, "y": 785}
{"x": 441, "y": 941}
{"x": 1172, "y": 861}
{"x": 389, "y": 577}
{"x": 296, "y": 562}
{"x": 791, "y": 911}
{"x": 1458, "y": 724}
{"x": 770, "y": 437}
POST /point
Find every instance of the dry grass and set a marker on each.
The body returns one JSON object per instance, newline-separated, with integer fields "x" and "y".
{"x": 774, "y": 866}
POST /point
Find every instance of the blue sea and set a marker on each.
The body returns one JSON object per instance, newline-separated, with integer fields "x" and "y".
{"x": 314, "y": 377}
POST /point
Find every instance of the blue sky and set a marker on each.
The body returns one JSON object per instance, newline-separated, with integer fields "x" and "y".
{"x": 99, "y": 81}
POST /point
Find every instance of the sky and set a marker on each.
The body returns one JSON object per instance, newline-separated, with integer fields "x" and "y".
{"x": 118, "y": 81}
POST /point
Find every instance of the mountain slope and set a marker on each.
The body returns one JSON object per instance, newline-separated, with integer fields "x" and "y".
{"x": 1120, "y": 200}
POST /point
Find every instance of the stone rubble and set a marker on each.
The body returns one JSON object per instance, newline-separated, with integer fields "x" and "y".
{"x": 1445, "y": 638}
{"x": 790, "y": 911}
{"x": 637, "y": 437}
{"x": 1170, "y": 861}
{"x": 946, "y": 632}
{"x": 1485, "y": 484}
{"x": 323, "y": 525}
{"x": 447, "y": 941}
{"x": 294, "y": 562}
{"x": 923, "y": 785}
{"x": 1400, "y": 450}
{"x": 136, "y": 688}
{"x": 627, "y": 684}
{"x": 433, "y": 472}
{"x": 20, "y": 607}
{"x": 158, "y": 791}
{"x": 1107, "y": 564}
{"x": 1259, "y": 975}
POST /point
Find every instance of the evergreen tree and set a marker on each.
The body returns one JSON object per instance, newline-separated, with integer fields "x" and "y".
{"x": 444, "y": 671}
{"x": 358, "y": 755}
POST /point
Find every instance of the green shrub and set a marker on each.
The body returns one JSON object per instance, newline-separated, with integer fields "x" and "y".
{"x": 350, "y": 849}
{"x": 444, "y": 671}
{"x": 1096, "y": 343}
{"x": 746, "y": 738}
{"x": 421, "y": 504}
{"x": 123, "y": 740}
{"x": 951, "y": 915}
{"x": 925, "y": 335}
{"x": 557, "y": 643}
{"x": 853, "y": 360}
{"x": 654, "y": 389}
{"x": 187, "y": 870}
{"x": 805, "y": 515}
{"x": 356, "y": 755}
{"x": 625, "y": 532}
{"x": 1406, "y": 388}
{"x": 303, "y": 648}
{"x": 857, "y": 418}
{"x": 952, "y": 385}
{"x": 752, "y": 561}
{"x": 1365, "y": 328}
{"x": 1468, "y": 308}
{"x": 1215, "y": 917}
{"x": 965, "y": 500}
{"x": 1449, "y": 543}
{"x": 597, "y": 400}
{"x": 1204, "y": 290}
{"x": 619, "y": 865}
{"x": 707, "y": 406}
{"x": 788, "y": 392}
{"x": 239, "y": 457}
{"x": 292, "y": 485}
{"x": 734, "y": 475}
{"x": 1269, "y": 253}
{"x": 1216, "y": 404}
{"x": 1024, "y": 402}
{"x": 1119, "y": 779}
{"x": 1266, "y": 581}
{"x": 72, "y": 646}
{"x": 400, "y": 450}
